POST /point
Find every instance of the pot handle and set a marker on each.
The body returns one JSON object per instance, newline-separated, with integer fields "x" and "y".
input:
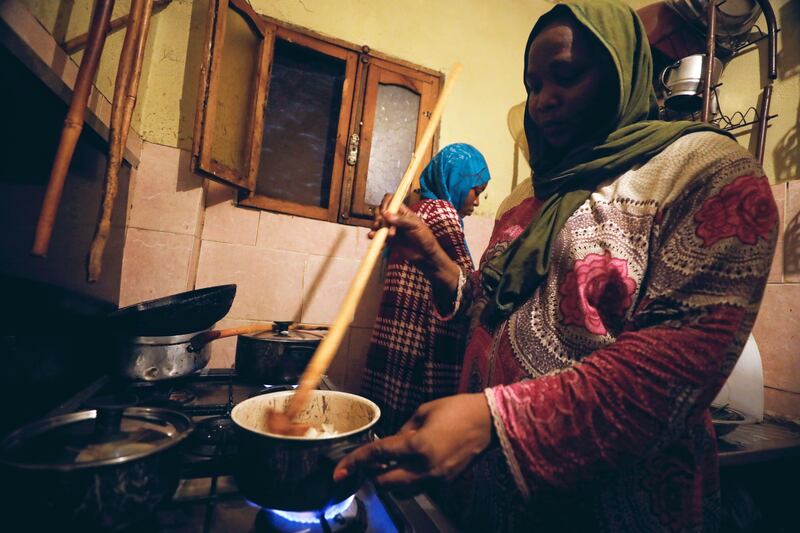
{"x": 200, "y": 340}
{"x": 663, "y": 76}
{"x": 337, "y": 451}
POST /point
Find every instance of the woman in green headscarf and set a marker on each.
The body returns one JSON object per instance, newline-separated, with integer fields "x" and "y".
{"x": 608, "y": 310}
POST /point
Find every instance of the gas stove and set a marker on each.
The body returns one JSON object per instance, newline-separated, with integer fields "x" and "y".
{"x": 207, "y": 498}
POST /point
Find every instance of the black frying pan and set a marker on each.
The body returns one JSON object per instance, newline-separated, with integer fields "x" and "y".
{"x": 178, "y": 314}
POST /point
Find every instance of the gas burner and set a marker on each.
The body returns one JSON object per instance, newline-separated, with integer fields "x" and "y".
{"x": 182, "y": 396}
{"x": 348, "y": 516}
{"x": 213, "y": 437}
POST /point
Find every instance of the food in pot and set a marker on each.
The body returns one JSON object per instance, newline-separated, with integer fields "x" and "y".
{"x": 325, "y": 431}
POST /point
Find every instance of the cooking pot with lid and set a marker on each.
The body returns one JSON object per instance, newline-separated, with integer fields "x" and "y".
{"x": 95, "y": 469}
{"x": 277, "y": 356}
{"x": 296, "y": 473}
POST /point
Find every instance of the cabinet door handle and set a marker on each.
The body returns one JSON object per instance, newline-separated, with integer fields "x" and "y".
{"x": 352, "y": 152}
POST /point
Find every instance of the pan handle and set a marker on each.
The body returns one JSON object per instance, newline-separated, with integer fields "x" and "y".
{"x": 200, "y": 340}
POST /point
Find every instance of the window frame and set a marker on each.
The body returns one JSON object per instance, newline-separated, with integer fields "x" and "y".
{"x": 381, "y": 71}
{"x": 364, "y": 69}
{"x": 204, "y": 142}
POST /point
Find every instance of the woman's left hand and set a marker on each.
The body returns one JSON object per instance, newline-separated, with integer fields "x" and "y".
{"x": 438, "y": 443}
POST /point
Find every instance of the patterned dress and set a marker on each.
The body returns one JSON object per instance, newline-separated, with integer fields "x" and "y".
{"x": 413, "y": 356}
{"x": 599, "y": 384}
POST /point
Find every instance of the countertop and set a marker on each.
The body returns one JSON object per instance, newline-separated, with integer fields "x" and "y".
{"x": 771, "y": 439}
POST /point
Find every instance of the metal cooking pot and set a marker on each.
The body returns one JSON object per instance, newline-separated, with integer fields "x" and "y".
{"x": 683, "y": 81}
{"x": 91, "y": 470}
{"x": 296, "y": 473}
{"x": 735, "y": 18}
{"x": 157, "y": 358}
{"x": 277, "y": 356}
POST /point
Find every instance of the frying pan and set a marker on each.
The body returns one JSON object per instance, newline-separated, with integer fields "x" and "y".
{"x": 182, "y": 313}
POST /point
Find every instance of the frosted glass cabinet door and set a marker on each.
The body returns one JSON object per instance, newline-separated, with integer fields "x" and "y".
{"x": 393, "y": 137}
{"x": 397, "y": 107}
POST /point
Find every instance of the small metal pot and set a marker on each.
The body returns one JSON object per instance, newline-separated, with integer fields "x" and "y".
{"x": 275, "y": 357}
{"x": 683, "y": 81}
{"x": 157, "y": 358}
{"x": 296, "y": 473}
{"x": 92, "y": 470}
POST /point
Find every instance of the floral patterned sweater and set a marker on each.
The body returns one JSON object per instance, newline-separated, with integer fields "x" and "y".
{"x": 599, "y": 385}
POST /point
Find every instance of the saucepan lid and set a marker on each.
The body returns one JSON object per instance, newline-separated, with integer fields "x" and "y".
{"x": 93, "y": 438}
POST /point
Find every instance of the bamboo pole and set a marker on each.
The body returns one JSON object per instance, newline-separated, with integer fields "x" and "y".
{"x": 73, "y": 124}
{"x": 127, "y": 86}
{"x": 330, "y": 344}
{"x": 77, "y": 43}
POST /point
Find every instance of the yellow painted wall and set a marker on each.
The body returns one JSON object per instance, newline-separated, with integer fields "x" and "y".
{"x": 487, "y": 36}
{"x": 742, "y": 82}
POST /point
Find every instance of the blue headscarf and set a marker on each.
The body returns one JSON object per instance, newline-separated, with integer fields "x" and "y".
{"x": 451, "y": 174}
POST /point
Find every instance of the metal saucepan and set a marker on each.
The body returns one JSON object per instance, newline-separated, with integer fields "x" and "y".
{"x": 159, "y": 358}
{"x": 268, "y": 353}
{"x": 92, "y": 470}
{"x": 296, "y": 473}
{"x": 178, "y": 314}
{"x": 683, "y": 81}
{"x": 276, "y": 356}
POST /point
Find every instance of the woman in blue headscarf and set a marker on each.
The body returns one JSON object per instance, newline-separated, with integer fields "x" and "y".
{"x": 414, "y": 357}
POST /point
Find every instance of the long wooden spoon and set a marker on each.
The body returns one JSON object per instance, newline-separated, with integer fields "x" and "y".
{"x": 284, "y": 422}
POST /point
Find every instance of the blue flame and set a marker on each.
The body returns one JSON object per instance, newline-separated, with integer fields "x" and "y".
{"x": 313, "y": 517}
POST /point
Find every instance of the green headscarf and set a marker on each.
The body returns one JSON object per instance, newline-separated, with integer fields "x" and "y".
{"x": 511, "y": 277}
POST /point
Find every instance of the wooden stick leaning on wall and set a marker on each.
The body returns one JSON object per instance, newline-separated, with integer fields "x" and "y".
{"x": 330, "y": 344}
{"x": 73, "y": 125}
{"x": 77, "y": 43}
{"x": 125, "y": 90}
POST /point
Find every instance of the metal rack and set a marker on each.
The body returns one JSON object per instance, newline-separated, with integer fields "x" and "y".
{"x": 752, "y": 116}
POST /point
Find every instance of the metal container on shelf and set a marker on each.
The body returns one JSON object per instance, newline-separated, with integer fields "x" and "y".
{"x": 735, "y": 18}
{"x": 683, "y": 82}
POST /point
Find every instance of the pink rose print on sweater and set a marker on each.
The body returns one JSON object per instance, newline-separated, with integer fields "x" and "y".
{"x": 744, "y": 209}
{"x": 597, "y": 291}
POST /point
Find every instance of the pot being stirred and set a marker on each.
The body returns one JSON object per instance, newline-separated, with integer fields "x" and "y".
{"x": 296, "y": 473}
{"x": 96, "y": 469}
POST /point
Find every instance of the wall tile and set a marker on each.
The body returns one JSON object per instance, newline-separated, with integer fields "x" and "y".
{"x": 269, "y": 282}
{"x": 357, "y": 358}
{"x": 782, "y": 404}
{"x": 224, "y": 221}
{"x": 777, "y": 335}
{"x": 304, "y": 235}
{"x": 362, "y": 241}
{"x": 167, "y": 196}
{"x": 325, "y": 284}
{"x": 776, "y": 272}
{"x": 477, "y": 231}
{"x": 155, "y": 264}
{"x": 791, "y": 236}
{"x": 337, "y": 371}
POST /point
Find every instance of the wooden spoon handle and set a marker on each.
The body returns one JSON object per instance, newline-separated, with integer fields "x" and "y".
{"x": 330, "y": 344}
